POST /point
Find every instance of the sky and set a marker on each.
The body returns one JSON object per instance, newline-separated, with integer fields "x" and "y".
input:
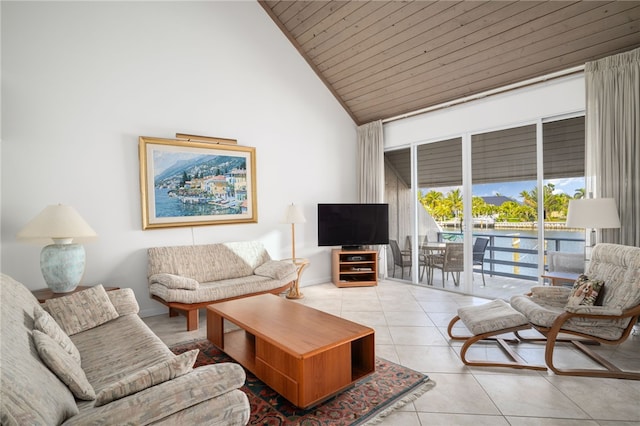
{"x": 513, "y": 189}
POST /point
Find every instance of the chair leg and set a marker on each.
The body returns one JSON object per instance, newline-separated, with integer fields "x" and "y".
{"x": 484, "y": 284}
{"x": 493, "y": 336}
{"x": 611, "y": 370}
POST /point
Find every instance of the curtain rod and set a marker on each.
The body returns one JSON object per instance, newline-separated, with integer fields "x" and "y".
{"x": 503, "y": 89}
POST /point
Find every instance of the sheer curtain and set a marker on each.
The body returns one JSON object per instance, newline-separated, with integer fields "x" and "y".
{"x": 371, "y": 174}
{"x": 371, "y": 163}
{"x": 613, "y": 139}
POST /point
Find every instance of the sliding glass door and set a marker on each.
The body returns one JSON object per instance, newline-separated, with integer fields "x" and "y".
{"x": 503, "y": 194}
{"x": 504, "y": 181}
{"x": 563, "y": 152}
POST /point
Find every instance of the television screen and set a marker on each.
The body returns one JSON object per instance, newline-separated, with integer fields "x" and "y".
{"x": 353, "y": 225}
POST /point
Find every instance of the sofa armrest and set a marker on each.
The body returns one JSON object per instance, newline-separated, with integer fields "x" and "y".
{"x": 174, "y": 281}
{"x": 275, "y": 269}
{"x": 165, "y": 399}
{"x": 124, "y": 300}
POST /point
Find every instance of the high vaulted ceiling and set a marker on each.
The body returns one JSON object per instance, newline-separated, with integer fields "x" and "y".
{"x": 382, "y": 59}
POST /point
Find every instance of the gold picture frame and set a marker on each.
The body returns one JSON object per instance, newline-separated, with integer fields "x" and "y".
{"x": 196, "y": 183}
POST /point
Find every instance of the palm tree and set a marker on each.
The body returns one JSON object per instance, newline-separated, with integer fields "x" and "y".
{"x": 454, "y": 199}
{"x": 580, "y": 193}
{"x": 431, "y": 200}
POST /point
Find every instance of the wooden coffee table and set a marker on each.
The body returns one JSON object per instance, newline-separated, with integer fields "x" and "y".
{"x": 304, "y": 354}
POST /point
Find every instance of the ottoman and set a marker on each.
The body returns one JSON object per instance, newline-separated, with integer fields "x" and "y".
{"x": 486, "y": 322}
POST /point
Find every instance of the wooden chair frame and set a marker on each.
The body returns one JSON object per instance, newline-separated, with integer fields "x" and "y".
{"x": 469, "y": 340}
{"x": 551, "y": 337}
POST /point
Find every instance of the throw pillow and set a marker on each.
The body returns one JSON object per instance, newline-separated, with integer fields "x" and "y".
{"x": 585, "y": 291}
{"x": 45, "y": 323}
{"x": 82, "y": 310}
{"x": 63, "y": 365}
{"x": 143, "y": 379}
{"x": 275, "y": 269}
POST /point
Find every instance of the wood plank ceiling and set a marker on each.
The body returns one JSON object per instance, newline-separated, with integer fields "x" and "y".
{"x": 382, "y": 59}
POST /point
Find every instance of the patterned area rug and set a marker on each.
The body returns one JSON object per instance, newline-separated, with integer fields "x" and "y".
{"x": 367, "y": 402}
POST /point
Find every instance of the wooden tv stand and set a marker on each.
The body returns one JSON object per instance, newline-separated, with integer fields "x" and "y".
{"x": 304, "y": 354}
{"x": 354, "y": 268}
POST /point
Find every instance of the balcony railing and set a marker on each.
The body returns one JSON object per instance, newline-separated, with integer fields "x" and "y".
{"x": 512, "y": 244}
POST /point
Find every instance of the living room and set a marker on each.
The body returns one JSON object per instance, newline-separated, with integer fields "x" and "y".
{"x": 83, "y": 80}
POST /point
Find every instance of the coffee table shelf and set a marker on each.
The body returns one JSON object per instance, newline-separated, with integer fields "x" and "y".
{"x": 304, "y": 354}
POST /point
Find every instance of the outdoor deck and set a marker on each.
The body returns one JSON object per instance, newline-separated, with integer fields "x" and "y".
{"x": 497, "y": 287}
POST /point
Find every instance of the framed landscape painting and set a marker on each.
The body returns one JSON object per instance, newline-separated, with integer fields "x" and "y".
{"x": 192, "y": 183}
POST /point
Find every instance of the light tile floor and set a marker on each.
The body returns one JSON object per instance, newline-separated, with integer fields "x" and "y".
{"x": 411, "y": 329}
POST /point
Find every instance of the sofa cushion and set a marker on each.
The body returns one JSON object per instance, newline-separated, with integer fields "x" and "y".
{"x": 82, "y": 310}
{"x": 218, "y": 290}
{"x": 143, "y": 379}
{"x": 276, "y": 269}
{"x": 174, "y": 281}
{"x": 45, "y": 323}
{"x": 63, "y": 365}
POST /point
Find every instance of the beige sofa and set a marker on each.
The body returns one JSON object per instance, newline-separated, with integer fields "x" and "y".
{"x": 88, "y": 358}
{"x": 188, "y": 278}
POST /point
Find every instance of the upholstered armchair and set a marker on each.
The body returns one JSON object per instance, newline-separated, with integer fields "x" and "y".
{"x": 590, "y": 312}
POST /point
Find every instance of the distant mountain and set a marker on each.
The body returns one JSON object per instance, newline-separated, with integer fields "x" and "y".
{"x": 498, "y": 200}
{"x": 204, "y": 165}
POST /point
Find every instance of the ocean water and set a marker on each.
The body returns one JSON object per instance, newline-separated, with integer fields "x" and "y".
{"x": 172, "y": 207}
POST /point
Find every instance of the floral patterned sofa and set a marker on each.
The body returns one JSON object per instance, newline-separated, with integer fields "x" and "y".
{"x": 188, "y": 278}
{"x": 88, "y": 358}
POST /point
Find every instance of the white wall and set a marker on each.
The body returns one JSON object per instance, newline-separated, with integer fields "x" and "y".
{"x": 556, "y": 97}
{"x": 82, "y": 80}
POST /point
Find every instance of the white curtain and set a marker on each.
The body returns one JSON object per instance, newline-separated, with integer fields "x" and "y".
{"x": 613, "y": 140}
{"x": 371, "y": 174}
{"x": 371, "y": 163}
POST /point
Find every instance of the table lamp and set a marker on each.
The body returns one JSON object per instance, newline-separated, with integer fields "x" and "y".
{"x": 293, "y": 215}
{"x": 62, "y": 263}
{"x": 593, "y": 213}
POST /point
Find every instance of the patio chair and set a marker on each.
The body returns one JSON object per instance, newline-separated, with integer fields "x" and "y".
{"x": 450, "y": 260}
{"x": 566, "y": 315}
{"x": 402, "y": 258}
{"x": 422, "y": 240}
{"x": 479, "y": 247}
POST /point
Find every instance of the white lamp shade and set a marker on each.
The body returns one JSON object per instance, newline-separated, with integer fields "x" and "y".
{"x": 57, "y": 222}
{"x": 593, "y": 213}
{"x": 293, "y": 214}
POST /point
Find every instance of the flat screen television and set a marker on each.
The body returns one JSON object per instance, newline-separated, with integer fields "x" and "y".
{"x": 353, "y": 225}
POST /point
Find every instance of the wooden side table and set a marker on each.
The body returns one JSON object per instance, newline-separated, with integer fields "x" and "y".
{"x": 45, "y": 294}
{"x": 294, "y": 291}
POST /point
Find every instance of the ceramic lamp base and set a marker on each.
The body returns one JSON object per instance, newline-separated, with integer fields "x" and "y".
{"x": 62, "y": 266}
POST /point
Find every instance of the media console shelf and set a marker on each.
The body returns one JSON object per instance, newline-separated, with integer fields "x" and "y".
{"x": 354, "y": 268}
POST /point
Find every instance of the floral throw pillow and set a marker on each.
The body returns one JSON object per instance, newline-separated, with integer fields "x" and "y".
{"x": 585, "y": 291}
